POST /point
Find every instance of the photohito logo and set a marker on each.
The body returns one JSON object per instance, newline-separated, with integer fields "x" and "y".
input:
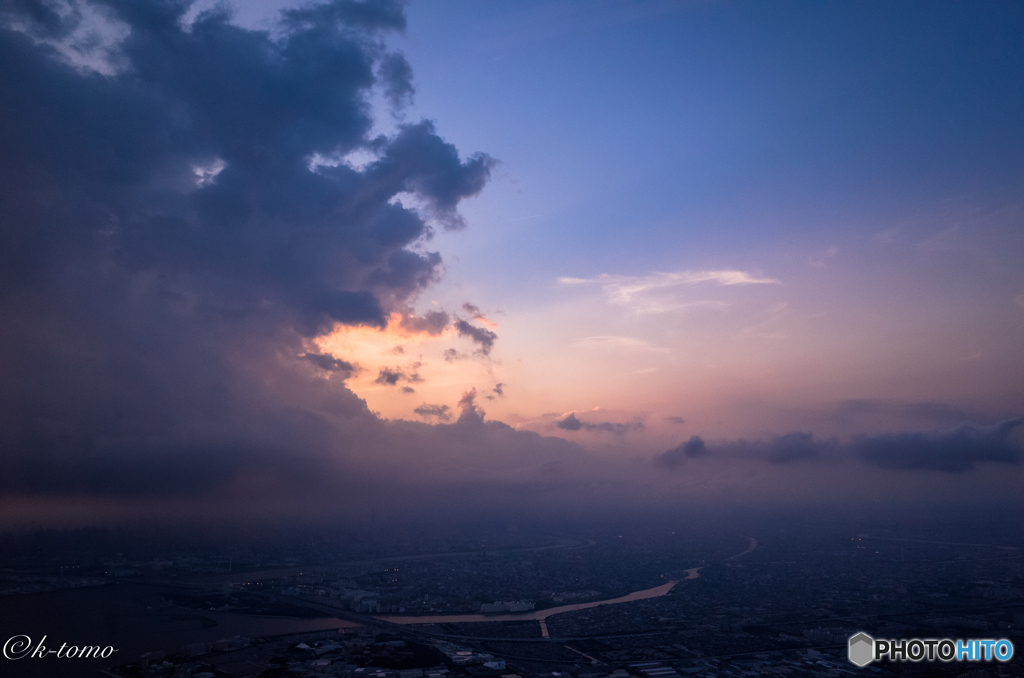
{"x": 863, "y": 649}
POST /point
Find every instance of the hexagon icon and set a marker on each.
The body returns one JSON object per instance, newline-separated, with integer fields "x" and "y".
{"x": 862, "y": 649}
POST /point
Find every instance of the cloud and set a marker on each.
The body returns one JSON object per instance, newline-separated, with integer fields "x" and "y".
{"x": 475, "y": 313}
{"x": 170, "y": 248}
{"x": 118, "y": 158}
{"x": 478, "y": 335}
{"x": 396, "y": 74}
{"x": 784, "y": 449}
{"x": 439, "y": 412}
{"x": 661, "y": 292}
{"x": 82, "y": 35}
{"x": 675, "y": 420}
{"x": 694, "y": 447}
{"x": 469, "y": 412}
{"x": 451, "y": 355}
{"x": 621, "y": 343}
{"x": 956, "y": 451}
{"x": 827, "y": 255}
{"x": 329, "y": 363}
{"x": 431, "y": 322}
{"x": 391, "y": 376}
{"x": 572, "y": 423}
{"x": 796, "y": 446}
{"x": 624, "y": 286}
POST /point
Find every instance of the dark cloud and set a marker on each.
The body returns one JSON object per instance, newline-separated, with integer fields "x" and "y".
{"x": 439, "y": 412}
{"x": 451, "y": 355}
{"x": 396, "y": 74}
{"x": 956, "y": 451}
{"x": 694, "y": 447}
{"x": 350, "y": 13}
{"x": 408, "y": 389}
{"x": 499, "y": 390}
{"x": 191, "y": 164}
{"x": 470, "y": 413}
{"x": 786, "y": 448}
{"x": 613, "y": 427}
{"x": 474, "y": 311}
{"x": 675, "y": 420}
{"x": 392, "y": 376}
{"x": 389, "y": 376}
{"x": 178, "y": 227}
{"x": 572, "y": 423}
{"x": 484, "y": 337}
{"x": 431, "y": 322}
{"x": 419, "y": 161}
{"x": 331, "y": 364}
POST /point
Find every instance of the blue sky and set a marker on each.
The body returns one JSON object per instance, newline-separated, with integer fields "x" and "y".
{"x": 668, "y": 131}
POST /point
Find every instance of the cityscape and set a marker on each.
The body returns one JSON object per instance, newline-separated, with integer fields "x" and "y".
{"x": 638, "y": 601}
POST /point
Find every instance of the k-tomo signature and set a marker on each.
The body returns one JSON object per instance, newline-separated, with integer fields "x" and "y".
{"x": 20, "y": 647}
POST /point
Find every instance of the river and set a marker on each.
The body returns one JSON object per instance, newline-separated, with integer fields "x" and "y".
{"x": 527, "y": 616}
{"x": 542, "y": 615}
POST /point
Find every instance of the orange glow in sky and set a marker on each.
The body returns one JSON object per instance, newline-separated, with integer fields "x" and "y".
{"x": 401, "y": 369}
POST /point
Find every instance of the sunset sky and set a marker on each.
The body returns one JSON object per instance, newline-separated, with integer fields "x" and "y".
{"x": 532, "y": 254}
{"x": 739, "y": 215}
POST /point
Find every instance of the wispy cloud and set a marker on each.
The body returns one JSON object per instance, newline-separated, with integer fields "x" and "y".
{"x": 614, "y": 342}
{"x": 826, "y": 256}
{"x": 659, "y": 292}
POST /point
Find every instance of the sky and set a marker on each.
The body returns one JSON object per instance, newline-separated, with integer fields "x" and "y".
{"x": 284, "y": 261}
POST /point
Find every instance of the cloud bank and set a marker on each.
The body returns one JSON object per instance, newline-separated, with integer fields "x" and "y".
{"x": 955, "y": 451}
{"x": 178, "y": 223}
